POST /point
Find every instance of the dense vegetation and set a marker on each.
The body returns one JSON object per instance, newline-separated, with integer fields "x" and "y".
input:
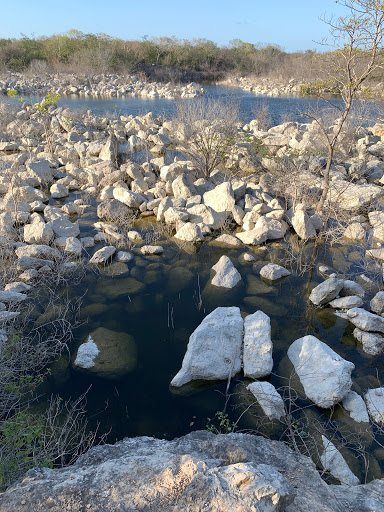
{"x": 171, "y": 57}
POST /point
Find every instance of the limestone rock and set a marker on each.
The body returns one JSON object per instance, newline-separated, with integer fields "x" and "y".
{"x": 269, "y": 399}
{"x": 190, "y": 233}
{"x": 366, "y": 321}
{"x": 257, "y": 352}
{"x": 102, "y": 256}
{"x": 214, "y": 348}
{"x": 377, "y": 303}
{"x": 324, "y": 375}
{"x": 302, "y": 224}
{"x": 127, "y": 197}
{"x": 151, "y": 249}
{"x": 374, "y": 398}
{"x": 58, "y": 191}
{"x": 221, "y": 198}
{"x": 107, "y": 354}
{"x": 38, "y": 233}
{"x": 355, "y": 405}
{"x": 272, "y": 272}
{"x": 373, "y": 343}
{"x": 227, "y": 276}
{"x": 352, "y": 301}
{"x": 326, "y": 291}
{"x": 333, "y": 461}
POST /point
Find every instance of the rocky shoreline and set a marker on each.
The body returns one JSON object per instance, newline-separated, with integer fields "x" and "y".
{"x": 263, "y": 199}
{"x": 98, "y": 86}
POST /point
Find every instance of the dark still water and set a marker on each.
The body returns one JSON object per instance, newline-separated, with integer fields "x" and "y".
{"x": 160, "y": 300}
{"x": 279, "y": 109}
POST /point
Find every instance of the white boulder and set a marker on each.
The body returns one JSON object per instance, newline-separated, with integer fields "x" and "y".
{"x": 324, "y": 375}
{"x": 214, "y": 348}
{"x": 333, "y": 461}
{"x": 227, "y": 276}
{"x": 269, "y": 399}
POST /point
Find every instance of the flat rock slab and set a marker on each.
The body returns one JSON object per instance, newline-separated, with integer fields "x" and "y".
{"x": 324, "y": 375}
{"x": 269, "y": 399}
{"x": 272, "y": 272}
{"x": 227, "y": 276}
{"x": 365, "y": 320}
{"x": 214, "y": 348}
{"x": 333, "y": 461}
{"x": 257, "y": 350}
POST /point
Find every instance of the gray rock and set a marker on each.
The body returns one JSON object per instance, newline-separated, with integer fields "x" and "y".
{"x": 8, "y": 316}
{"x": 183, "y": 187}
{"x": 355, "y": 405}
{"x": 124, "y": 256}
{"x": 38, "y": 233}
{"x": 58, "y": 191}
{"x": 352, "y": 288}
{"x": 73, "y": 247}
{"x": 214, "y": 348}
{"x": 326, "y": 291}
{"x": 127, "y": 197}
{"x": 8, "y": 297}
{"x": 333, "y": 461}
{"x": 17, "y": 286}
{"x": 197, "y": 480}
{"x": 227, "y": 276}
{"x": 203, "y": 214}
{"x": 272, "y": 272}
{"x": 38, "y": 251}
{"x": 352, "y": 301}
{"x": 107, "y": 354}
{"x": 102, "y": 256}
{"x": 151, "y": 249}
{"x": 377, "y": 303}
{"x": 374, "y": 398}
{"x": 302, "y": 224}
{"x": 190, "y": 233}
{"x": 269, "y": 399}
{"x": 324, "y": 375}
{"x": 221, "y": 198}
{"x": 257, "y": 351}
{"x": 373, "y": 343}
{"x": 41, "y": 170}
{"x": 366, "y": 321}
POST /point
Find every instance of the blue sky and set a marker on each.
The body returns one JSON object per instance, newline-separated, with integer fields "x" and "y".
{"x": 293, "y": 25}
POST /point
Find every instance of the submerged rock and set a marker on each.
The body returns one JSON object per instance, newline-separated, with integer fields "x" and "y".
{"x": 374, "y": 398}
{"x": 324, "y": 375}
{"x": 102, "y": 256}
{"x": 354, "y": 404}
{"x": 214, "y": 348}
{"x": 333, "y": 461}
{"x": 269, "y": 399}
{"x": 107, "y": 354}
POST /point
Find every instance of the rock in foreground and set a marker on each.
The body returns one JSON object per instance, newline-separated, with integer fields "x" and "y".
{"x": 198, "y": 472}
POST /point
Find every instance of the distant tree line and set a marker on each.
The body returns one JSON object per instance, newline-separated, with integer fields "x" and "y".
{"x": 174, "y": 58}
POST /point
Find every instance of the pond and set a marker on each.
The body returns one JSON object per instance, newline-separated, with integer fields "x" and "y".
{"x": 160, "y": 300}
{"x": 280, "y": 109}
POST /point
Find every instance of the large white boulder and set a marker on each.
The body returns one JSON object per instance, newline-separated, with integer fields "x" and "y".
{"x": 128, "y": 197}
{"x": 324, "y": 375}
{"x": 38, "y": 233}
{"x": 333, "y": 461}
{"x": 302, "y": 224}
{"x": 269, "y": 399}
{"x": 214, "y": 348}
{"x": 227, "y": 276}
{"x": 257, "y": 351}
{"x": 221, "y": 198}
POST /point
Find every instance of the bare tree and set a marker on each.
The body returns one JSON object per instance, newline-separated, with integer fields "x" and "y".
{"x": 357, "y": 39}
{"x": 206, "y": 130}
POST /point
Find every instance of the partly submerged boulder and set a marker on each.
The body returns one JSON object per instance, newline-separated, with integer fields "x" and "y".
{"x": 214, "y": 348}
